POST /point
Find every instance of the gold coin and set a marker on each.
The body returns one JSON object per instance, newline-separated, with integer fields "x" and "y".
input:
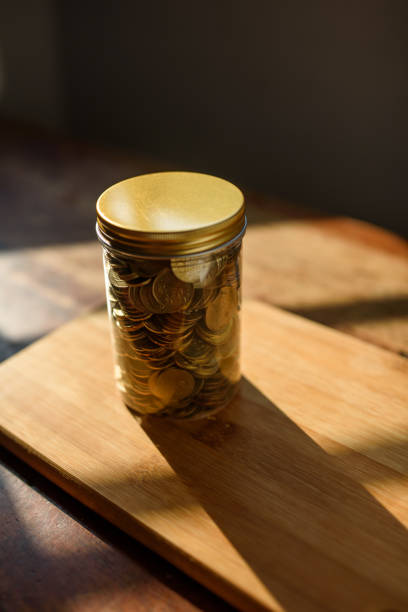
{"x": 118, "y": 314}
{"x": 220, "y": 310}
{"x": 197, "y": 350}
{"x": 116, "y": 280}
{"x": 131, "y": 277}
{"x": 230, "y": 368}
{"x": 131, "y": 349}
{"x": 149, "y": 301}
{"x": 172, "y": 341}
{"x": 121, "y": 266}
{"x": 134, "y": 298}
{"x": 174, "y": 324}
{"x": 184, "y": 413}
{"x": 216, "y": 338}
{"x": 206, "y": 369}
{"x": 201, "y": 298}
{"x": 154, "y": 325}
{"x": 153, "y": 406}
{"x": 179, "y": 322}
{"x": 230, "y": 273}
{"x": 149, "y": 350}
{"x": 135, "y": 280}
{"x": 202, "y": 367}
{"x": 141, "y": 404}
{"x": 129, "y": 325}
{"x": 196, "y": 271}
{"x": 136, "y": 336}
{"x": 172, "y": 385}
{"x": 160, "y": 363}
{"x": 170, "y": 292}
{"x": 149, "y": 267}
{"x": 120, "y": 296}
{"x": 135, "y": 366}
{"x": 230, "y": 346}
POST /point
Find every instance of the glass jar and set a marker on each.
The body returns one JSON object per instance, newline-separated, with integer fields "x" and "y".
{"x": 172, "y": 263}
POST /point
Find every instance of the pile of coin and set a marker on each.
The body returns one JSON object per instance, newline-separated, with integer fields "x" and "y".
{"x": 176, "y": 331}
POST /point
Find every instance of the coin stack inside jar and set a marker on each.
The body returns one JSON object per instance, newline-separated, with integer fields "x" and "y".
{"x": 176, "y": 328}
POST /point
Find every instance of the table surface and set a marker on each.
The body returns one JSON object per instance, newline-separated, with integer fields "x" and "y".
{"x": 54, "y": 552}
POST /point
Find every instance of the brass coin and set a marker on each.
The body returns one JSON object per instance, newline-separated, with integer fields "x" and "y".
{"x": 137, "y": 316}
{"x": 160, "y": 363}
{"x": 136, "y": 336}
{"x": 121, "y": 265}
{"x": 220, "y": 310}
{"x": 132, "y": 312}
{"x": 209, "y": 368}
{"x": 154, "y": 325}
{"x": 222, "y": 260}
{"x": 231, "y": 345}
{"x": 131, "y": 349}
{"x": 110, "y": 295}
{"x": 136, "y": 281}
{"x": 136, "y": 387}
{"x": 118, "y": 314}
{"x": 202, "y": 297}
{"x": 116, "y": 280}
{"x": 130, "y": 277}
{"x": 231, "y": 272}
{"x": 199, "y": 272}
{"x": 120, "y": 296}
{"x": 153, "y": 406}
{"x": 128, "y": 325}
{"x": 183, "y": 413}
{"x": 142, "y": 405}
{"x": 213, "y": 337}
{"x": 189, "y": 364}
{"x": 215, "y": 386}
{"x": 149, "y": 301}
{"x": 173, "y": 342}
{"x": 149, "y": 350}
{"x": 171, "y": 292}
{"x": 115, "y": 262}
{"x": 149, "y": 267}
{"x": 172, "y": 385}
{"x": 171, "y": 324}
{"x": 179, "y": 322}
{"x": 134, "y": 298}
{"x": 230, "y": 368}
{"x": 135, "y": 366}
{"x": 197, "y": 350}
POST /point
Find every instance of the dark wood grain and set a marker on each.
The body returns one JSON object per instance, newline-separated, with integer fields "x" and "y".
{"x": 63, "y": 554}
{"x": 56, "y": 554}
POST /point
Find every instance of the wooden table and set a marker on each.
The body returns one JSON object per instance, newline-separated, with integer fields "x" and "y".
{"x": 54, "y": 553}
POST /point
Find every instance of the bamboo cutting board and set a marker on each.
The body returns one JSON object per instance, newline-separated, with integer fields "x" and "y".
{"x": 295, "y": 498}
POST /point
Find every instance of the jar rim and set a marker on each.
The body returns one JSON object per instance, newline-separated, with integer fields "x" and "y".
{"x": 121, "y": 251}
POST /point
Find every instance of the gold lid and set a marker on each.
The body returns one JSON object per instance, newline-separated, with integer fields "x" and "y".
{"x": 170, "y": 213}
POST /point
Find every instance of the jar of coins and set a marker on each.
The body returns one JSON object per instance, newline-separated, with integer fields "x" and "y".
{"x": 171, "y": 246}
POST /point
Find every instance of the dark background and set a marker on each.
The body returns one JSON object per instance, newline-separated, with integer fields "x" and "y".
{"x": 303, "y": 100}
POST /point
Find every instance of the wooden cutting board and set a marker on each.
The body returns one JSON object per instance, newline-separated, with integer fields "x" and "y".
{"x": 295, "y": 498}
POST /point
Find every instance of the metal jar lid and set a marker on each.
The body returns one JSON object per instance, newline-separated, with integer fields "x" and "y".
{"x": 170, "y": 213}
